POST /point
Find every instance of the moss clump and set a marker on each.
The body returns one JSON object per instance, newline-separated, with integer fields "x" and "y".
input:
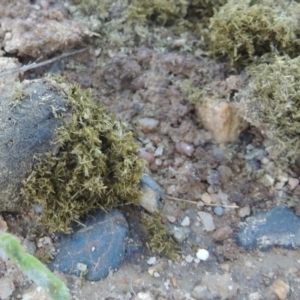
{"x": 271, "y": 103}
{"x": 18, "y": 93}
{"x": 96, "y": 166}
{"x": 182, "y": 14}
{"x": 245, "y": 29}
{"x": 158, "y": 238}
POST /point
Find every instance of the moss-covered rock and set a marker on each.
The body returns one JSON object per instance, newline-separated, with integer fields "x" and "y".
{"x": 95, "y": 165}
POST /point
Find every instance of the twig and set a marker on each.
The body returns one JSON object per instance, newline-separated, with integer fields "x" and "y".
{"x": 204, "y": 204}
{"x": 37, "y": 65}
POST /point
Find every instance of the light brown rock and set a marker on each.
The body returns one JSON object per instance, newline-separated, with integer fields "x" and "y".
{"x": 27, "y": 38}
{"x": 222, "y": 119}
{"x": 222, "y": 233}
{"x": 280, "y": 289}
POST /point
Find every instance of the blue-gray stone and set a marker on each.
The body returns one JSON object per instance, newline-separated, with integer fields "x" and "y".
{"x": 278, "y": 226}
{"x": 219, "y": 211}
{"x": 148, "y": 181}
{"x": 255, "y": 154}
{"x": 100, "y": 245}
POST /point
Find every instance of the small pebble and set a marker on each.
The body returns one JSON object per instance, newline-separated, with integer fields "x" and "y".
{"x": 279, "y": 185}
{"x": 158, "y": 162}
{"x": 171, "y": 219}
{"x": 186, "y": 221}
{"x": 219, "y": 211}
{"x": 293, "y": 183}
{"x": 151, "y": 261}
{"x": 184, "y": 148}
{"x": 144, "y": 296}
{"x": 280, "y": 289}
{"x": 222, "y": 233}
{"x": 159, "y": 151}
{"x": 244, "y": 211}
{"x": 255, "y": 296}
{"x": 149, "y": 157}
{"x": 202, "y": 254}
{"x": 179, "y": 233}
{"x": 206, "y": 198}
{"x": 207, "y": 221}
{"x": 225, "y": 173}
{"x": 156, "y": 274}
{"x": 147, "y": 124}
{"x": 189, "y": 258}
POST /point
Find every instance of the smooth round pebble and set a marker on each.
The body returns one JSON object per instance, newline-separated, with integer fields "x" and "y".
{"x": 202, "y": 254}
{"x": 219, "y": 211}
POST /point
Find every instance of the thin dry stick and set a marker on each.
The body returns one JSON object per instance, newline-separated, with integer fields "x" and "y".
{"x": 193, "y": 202}
{"x": 37, "y": 65}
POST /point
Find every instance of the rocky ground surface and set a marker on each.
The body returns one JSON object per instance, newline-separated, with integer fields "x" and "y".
{"x": 215, "y": 186}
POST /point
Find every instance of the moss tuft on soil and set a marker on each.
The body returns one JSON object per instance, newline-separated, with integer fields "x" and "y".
{"x": 271, "y": 103}
{"x": 242, "y": 30}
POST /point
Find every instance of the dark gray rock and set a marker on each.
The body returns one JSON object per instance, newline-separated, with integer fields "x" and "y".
{"x": 100, "y": 246}
{"x": 278, "y": 226}
{"x": 27, "y": 126}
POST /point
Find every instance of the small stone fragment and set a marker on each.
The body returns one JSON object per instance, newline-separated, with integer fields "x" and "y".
{"x": 293, "y": 182}
{"x": 255, "y": 154}
{"x": 280, "y": 289}
{"x": 152, "y": 193}
{"x": 185, "y": 148}
{"x": 207, "y": 221}
{"x": 219, "y": 211}
{"x": 157, "y": 268}
{"x": 255, "y": 296}
{"x": 159, "y": 151}
{"x": 151, "y": 261}
{"x": 222, "y": 233}
{"x": 6, "y": 288}
{"x": 149, "y": 200}
{"x": 171, "y": 219}
{"x": 189, "y": 258}
{"x": 144, "y": 296}
{"x": 149, "y": 157}
{"x": 202, "y": 254}
{"x": 206, "y": 198}
{"x": 244, "y": 211}
{"x": 225, "y": 173}
{"x": 267, "y": 180}
{"x": 185, "y": 221}
{"x": 147, "y": 124}
{"x": 179, "y": 233}
{"x": 222, "y": 119}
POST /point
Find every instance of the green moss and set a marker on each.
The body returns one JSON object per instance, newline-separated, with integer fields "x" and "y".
{"x": 96, "y": 166}
{"x": 271, "y": 103}
{"x": 242, "y": 30}
{"x": 158, "y": 238}
{"x": 17, "y": 94}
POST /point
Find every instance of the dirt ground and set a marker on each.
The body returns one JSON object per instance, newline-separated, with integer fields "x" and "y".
{"x": 142, "y": 80}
